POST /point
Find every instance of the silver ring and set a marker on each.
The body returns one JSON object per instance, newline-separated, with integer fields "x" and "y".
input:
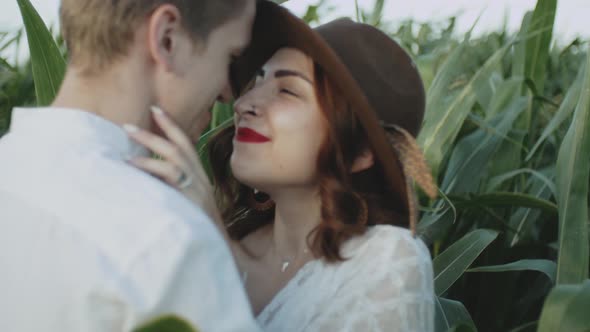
{"x": 184, "y": 180}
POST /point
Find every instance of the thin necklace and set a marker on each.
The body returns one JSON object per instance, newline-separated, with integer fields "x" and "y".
{"x": 284, "y": 266}
{"x": 286, "y": 262}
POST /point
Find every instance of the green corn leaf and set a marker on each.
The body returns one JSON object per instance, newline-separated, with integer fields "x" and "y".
{"x": 435, "y": 224}
{"x": 547, "y": 267}
{"x": 220, "y": 113}
{"x": 462, "y": 328}
{"x": 537, "y": 47}
{"x": 48, "y": 63}
{"x": 311, "y": 15}
{"x": 528, "y": 327}
{"x": 433, "y": 227}
{"x": 573, "y": 171}
{"x": 566, "y": 309}
{"x": 497, "y": 181}
{"x": 5, "y": 65}
{"x": 441, "y": 126}
{"x": 437, "y": 97}
{"x": 11, "y": 42}
{"x": 167, "y": 324}
{"x": 508, "y": 154}
{"x": 567, "y": 107}
{"x": 377, "y": 13}
{"x": 523, "y": 219}
{"x": 504, "y": 199}
{"x": 450, "y": 265}
{"x": 538, "y": 41}
{"x": 449, "y": 314}
{"x": 474, "y": 152}
{"x": 519, "y": 57}
{"x": 204, "y": 140}
{"x": 221, "y": 118}
{"x": 504, "y": 94}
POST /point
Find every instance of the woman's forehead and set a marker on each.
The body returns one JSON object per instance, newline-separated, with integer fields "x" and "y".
{"x": 292, "y": 59}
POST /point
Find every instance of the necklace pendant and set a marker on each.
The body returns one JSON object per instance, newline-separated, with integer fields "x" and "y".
{"x": 285, "y": 266}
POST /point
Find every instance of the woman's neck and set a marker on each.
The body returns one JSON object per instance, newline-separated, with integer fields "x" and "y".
{"x": 297, "y": 213}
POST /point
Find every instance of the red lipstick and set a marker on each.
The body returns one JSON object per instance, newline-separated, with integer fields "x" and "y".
{"x": 248, "y": 135}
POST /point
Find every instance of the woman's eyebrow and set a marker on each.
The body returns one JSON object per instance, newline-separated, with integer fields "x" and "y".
{"x": 286, "y": 72}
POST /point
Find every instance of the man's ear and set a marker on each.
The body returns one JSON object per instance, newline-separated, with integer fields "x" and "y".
{"x": 165, "y": 32}
{"x": 363, "y": 161}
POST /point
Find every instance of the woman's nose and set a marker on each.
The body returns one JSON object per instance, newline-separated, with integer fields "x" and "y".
{"x": 244, "y": 105}
{"x": 253, "y": 101}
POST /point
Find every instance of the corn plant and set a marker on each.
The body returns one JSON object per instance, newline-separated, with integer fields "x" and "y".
{"x": 507, "y": 135}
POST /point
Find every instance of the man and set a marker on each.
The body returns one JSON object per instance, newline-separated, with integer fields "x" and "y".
{"x": 89, "y": 242}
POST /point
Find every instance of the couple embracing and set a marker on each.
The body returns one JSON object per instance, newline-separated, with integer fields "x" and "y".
{"x": 310, "y": 224}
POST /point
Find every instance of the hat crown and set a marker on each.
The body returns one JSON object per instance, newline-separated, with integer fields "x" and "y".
{"x": 382, "y": 69}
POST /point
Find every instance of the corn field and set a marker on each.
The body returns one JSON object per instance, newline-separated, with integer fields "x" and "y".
{"x": 507, "y": 135}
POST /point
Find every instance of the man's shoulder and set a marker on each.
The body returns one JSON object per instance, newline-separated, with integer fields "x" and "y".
{"x": 116, "y": 207}
{"x": 127, "y": 185}
{"x": 136, "y": 201}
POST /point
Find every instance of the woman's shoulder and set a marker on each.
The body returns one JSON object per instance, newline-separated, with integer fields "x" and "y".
{"x": 388, "y": 258}
{"x": 387, "y": 243}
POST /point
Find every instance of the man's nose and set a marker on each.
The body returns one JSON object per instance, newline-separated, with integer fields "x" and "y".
{"x": 226, "y": 94}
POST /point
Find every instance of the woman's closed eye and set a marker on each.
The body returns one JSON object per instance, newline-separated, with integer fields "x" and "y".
{"x": 289, "y": 92}
{"x": 260, "y": 75}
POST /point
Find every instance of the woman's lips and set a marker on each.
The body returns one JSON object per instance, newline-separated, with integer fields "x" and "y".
{"x": 248, "y": 135}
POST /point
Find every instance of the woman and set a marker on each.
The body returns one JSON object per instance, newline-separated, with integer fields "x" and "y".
{"x": 317, "y": 195}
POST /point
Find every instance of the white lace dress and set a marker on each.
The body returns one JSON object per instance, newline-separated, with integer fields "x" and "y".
{"x": 385, "y": 285}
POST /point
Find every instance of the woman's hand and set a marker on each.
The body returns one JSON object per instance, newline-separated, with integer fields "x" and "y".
{"x": 180, "y": 165}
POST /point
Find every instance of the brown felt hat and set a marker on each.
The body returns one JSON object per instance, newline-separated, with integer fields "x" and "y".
{"x": 371, "y": 71}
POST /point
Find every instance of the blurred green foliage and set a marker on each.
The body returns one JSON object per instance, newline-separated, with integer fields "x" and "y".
{"x": 507, "y": 134}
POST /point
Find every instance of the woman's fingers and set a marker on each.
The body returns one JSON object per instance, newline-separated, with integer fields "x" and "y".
{"x": 180, "y": 161}
{"x": 171, "y": 129}
{"x": 156, "y": 144}
{"x": 159, "y": 168}
{"x": 176, "y": 149}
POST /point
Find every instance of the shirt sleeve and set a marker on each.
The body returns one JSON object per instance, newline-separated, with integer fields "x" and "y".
{"x": 392, "y": 290}
{"x": 189, "y": 274}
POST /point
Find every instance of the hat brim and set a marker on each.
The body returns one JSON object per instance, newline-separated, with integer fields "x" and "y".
{"x": 275, "y": 28}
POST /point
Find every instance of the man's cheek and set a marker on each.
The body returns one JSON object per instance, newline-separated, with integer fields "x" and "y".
{"x": 199, "y": 126}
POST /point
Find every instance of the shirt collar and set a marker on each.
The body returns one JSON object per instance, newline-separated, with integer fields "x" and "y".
{"x": 79, "y": 127}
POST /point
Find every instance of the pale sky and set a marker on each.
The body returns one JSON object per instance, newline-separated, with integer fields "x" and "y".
{"x": 571, "y": 21}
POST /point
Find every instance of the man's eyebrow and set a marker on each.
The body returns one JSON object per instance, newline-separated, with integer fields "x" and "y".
{"x": 243, "y": 49}
{"x": 239, "y": 52}
{"x": 286, "y": 72}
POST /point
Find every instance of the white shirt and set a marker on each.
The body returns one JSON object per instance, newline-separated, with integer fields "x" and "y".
{"x": 90, "y": 243}
{"x": 385, "y": 285}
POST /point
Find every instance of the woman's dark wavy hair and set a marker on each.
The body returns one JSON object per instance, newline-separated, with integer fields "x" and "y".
{"x": 344, "y": 196}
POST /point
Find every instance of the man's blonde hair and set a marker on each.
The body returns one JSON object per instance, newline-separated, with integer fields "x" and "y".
{"x": 99, "y": 31}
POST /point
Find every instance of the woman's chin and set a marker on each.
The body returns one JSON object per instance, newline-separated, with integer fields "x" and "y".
{"x": 247, "y": 170}
{"x": 252, "y": 180}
